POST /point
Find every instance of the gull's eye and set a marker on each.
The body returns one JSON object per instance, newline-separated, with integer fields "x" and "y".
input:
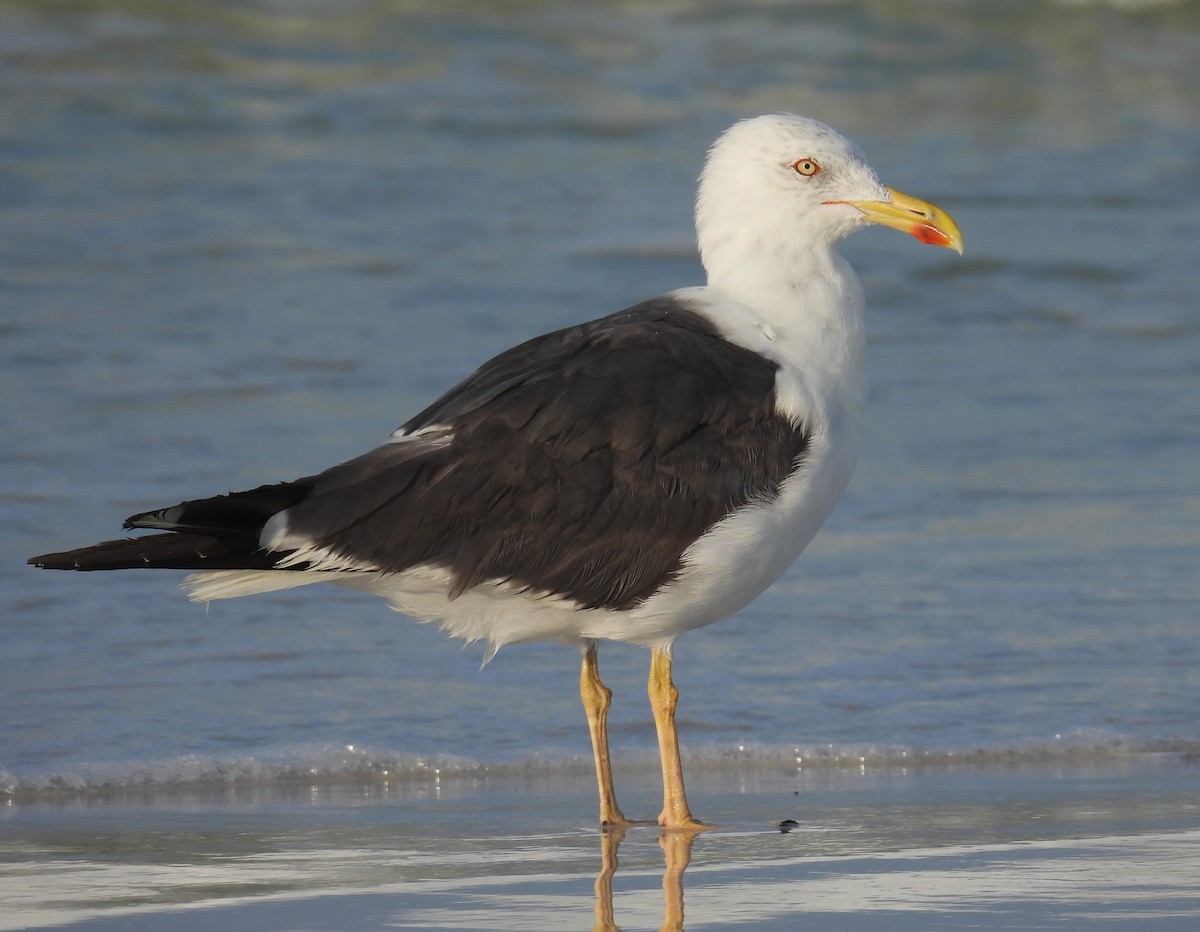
{"x": 806, "y": 167}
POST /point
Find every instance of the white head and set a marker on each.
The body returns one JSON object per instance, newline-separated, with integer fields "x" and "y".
{"x": 785, "y": 189}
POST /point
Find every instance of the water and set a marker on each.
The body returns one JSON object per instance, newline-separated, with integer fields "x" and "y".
{"x": 244, "y": 242}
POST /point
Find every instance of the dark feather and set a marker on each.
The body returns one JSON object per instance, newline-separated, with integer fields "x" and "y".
{"x": 173, "y": 551}
{"x": 581, "y": 463}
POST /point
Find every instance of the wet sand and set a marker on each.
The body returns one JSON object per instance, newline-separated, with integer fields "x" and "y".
{"x": 1112, "y": 844}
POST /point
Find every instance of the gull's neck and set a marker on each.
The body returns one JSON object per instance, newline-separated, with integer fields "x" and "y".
{"x": 808, "y": 301}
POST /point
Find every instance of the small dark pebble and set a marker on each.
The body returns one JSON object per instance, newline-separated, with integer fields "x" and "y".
{"x": 787, "y": 825}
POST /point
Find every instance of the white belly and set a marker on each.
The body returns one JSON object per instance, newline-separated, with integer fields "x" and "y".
{"x": 741, "y": 555}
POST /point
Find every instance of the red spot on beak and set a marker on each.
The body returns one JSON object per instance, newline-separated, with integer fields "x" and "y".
{"x": 929, "y": 235}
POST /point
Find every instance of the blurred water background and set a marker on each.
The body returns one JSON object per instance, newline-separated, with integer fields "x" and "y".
{"x": 244, "y": 240}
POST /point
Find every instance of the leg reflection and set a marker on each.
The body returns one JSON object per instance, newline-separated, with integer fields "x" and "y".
{"x": 677, "y": 852}
{"x": 610, "y": 840}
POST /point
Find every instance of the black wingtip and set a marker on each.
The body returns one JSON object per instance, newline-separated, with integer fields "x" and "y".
{"x": 53, "y": 561}
{"x": 211, "y": 533}
{"x": 170, "y": 551}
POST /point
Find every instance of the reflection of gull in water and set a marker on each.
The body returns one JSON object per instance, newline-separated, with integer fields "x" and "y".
{"x": 677, "y": 850}
{"x": 677, "y": 854}
{"x": 610, "y": 840}
{"x": 626, "y": 479}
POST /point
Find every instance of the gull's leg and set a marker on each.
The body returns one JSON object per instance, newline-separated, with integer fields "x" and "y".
{"x": 596, "y": 699}
{"x": 663, "y": 697}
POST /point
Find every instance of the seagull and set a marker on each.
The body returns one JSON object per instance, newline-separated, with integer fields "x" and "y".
{"x": 626, "y": 479}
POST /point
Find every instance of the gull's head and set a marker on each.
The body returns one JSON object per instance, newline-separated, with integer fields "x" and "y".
{"x": 781, "y": 186}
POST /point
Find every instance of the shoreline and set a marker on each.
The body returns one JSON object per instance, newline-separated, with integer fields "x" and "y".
{"x": 1000, "y": 847}
{"x": 376, "y": 772}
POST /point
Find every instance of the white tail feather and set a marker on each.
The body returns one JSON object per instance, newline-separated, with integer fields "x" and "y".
{"x": 208, "y": 585}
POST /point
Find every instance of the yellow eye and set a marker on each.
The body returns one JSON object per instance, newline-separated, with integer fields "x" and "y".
{"x": 806, "y": 167}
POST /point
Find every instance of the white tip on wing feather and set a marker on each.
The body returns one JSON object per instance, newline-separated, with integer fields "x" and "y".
{"x": 304, "y": 552}
{"x": 431, "y": 435}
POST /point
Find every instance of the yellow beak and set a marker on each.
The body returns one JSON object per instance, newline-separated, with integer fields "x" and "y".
{"x": 915, "y": 217}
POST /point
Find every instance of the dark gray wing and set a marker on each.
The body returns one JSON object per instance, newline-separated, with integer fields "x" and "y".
{"x": 581, "y": 463}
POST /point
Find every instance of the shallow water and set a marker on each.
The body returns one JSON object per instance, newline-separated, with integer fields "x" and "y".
{"x": 1027, "y": 847}
{"x": 244, "y": 243}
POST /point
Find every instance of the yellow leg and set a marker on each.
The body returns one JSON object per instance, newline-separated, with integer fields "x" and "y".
{"x": 596, "y": 699}
{"x": 663, "y": 697}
